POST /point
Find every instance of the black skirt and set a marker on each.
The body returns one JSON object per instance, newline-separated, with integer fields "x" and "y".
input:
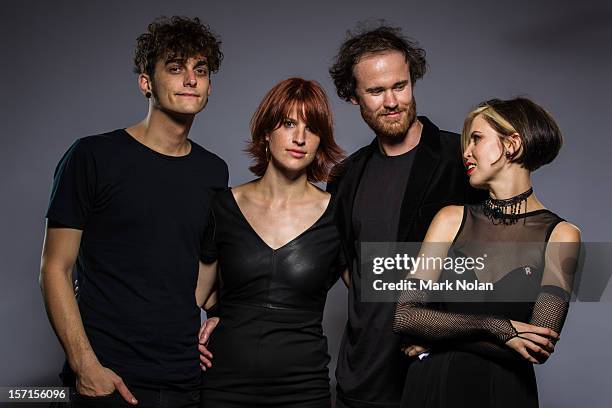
{"x": 265, "y": 356}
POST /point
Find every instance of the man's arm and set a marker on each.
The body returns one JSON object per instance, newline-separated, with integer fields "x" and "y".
{"x": 60, "y": 251}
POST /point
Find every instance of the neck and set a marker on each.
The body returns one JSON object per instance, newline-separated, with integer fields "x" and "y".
{"x": 510, "y": 186}
{"x": 409, "y": 141}
{"x": 277, "y": 185}
{"x": 164, "y": 133}
{"x": 513, "y": 186}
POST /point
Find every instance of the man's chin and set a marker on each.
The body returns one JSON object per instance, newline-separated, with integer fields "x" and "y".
{"x": 184, "y": 111}
{"x": 392, "y": 134}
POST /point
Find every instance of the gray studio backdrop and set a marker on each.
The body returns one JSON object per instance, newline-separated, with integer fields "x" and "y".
{"x": 66, "y": 73}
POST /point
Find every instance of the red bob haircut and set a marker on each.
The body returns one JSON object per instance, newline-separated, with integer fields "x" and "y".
{"x": 312, "y": 106}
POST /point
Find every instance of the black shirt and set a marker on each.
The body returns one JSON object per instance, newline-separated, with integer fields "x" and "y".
{"x": 379, "y": 197}
{"x": 376, "y": 212}
{"x": 369, "y": 353}
{"x": 143, "y": 216}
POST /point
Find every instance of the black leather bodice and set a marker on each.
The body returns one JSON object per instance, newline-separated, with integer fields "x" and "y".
{"x": 295, "y": 276}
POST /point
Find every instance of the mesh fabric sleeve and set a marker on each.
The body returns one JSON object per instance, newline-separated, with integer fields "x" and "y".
{"x": 551, "y": 306}
{"x": 550, "y": 310}
{"x": 416, "y": 317}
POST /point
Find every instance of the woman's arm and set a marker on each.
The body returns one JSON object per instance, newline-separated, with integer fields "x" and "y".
{"x": 346, "y": 277}
{"x": 211, "y": 300}
{"x": 552, "y": 304}
{"x": 207, "y": 276}
{"x": 415, "y": 317}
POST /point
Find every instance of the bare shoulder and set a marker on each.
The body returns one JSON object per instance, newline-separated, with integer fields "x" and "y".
{"x": 243, "y": 191}
{"x": 565, "y": 232}
{"x": 450, "y": 213}
{"x": 445, "y": 224}
{"x": 321, "y": 197}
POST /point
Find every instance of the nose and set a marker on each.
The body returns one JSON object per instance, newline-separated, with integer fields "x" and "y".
{"x": 299, "y": 136}
{"x": 190, "y": 78}
{"x": 390, "y": 99}
{"x": 467, "y": 154}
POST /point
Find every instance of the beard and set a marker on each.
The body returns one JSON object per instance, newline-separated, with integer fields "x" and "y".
{"x": 391, "y": 131}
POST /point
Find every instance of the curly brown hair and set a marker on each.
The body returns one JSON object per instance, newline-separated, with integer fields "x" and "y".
{"x": 176, "y": 37}
{"x": 312, "y": 107}
{"x": 378, "y": 40}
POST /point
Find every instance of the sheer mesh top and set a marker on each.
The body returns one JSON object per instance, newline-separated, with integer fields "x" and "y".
{"x": 532, "y": 283}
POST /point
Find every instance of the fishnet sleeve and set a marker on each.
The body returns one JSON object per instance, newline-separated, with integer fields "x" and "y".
{"x": 552, "y": 304}
{"x": 414, "y": 316}
{"x": 549, "y": 310}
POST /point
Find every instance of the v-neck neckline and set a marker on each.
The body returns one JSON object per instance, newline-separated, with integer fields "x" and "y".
{"x": 250, "y": 227}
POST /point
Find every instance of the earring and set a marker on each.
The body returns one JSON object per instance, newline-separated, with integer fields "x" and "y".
{"x": 148, "y": 94}
{"x": 267, "y": 152}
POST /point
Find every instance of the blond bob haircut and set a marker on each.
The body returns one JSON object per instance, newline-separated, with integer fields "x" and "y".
{"x": 540, "y": 136}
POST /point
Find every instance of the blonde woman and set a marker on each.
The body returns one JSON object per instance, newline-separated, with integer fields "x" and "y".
{"x": 481, "y": 352}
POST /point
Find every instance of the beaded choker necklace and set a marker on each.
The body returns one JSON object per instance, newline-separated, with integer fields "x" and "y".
{"x": 505, "y": 211}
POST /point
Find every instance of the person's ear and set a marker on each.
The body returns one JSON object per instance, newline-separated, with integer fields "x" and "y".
{"x": 514, "y": 144}
{"x": 145, "y": 85}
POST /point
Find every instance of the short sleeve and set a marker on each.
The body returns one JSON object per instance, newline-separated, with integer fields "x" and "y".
{"x": 341, "y": 263}
{"x": 74, "y": 186}
{"x": 225, "y": 182}
{"x": 208, "y": 253}
{"x": 338, "y": 266}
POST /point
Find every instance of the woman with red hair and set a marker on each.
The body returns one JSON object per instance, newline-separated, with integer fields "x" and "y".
{"x": 275, "y": 248}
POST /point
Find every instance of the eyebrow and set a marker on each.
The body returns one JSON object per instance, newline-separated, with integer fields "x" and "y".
{"x": 182, "y": 61}
{"x": 175, "y": 61}
{"x": 375, "y": 89}
{"x": 380, "y": 88}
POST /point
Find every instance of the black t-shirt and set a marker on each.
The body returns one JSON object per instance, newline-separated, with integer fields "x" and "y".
{"x": 378, "y": 200}
{"x": 143, "y": 216}
{"x": 371, "y": 366}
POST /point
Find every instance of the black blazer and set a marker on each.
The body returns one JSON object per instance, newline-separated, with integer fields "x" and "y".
{"x": 438, "y": 178}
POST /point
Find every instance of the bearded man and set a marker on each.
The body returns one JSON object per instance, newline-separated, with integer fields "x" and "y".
{"x": 387, "y": 191}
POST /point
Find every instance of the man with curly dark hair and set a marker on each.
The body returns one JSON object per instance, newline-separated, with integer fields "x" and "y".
{"x": 128, "y": 210}
{"x": 387, "y": 191}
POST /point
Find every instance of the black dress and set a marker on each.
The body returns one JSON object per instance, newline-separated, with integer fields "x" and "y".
{"x": 469, "y": 364}
{"x": 269, "y": 348}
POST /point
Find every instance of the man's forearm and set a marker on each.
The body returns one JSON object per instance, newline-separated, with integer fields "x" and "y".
{"x": 65, "y": 317}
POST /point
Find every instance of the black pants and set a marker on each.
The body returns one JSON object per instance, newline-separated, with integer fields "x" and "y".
{"x": 147, "y": 398}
